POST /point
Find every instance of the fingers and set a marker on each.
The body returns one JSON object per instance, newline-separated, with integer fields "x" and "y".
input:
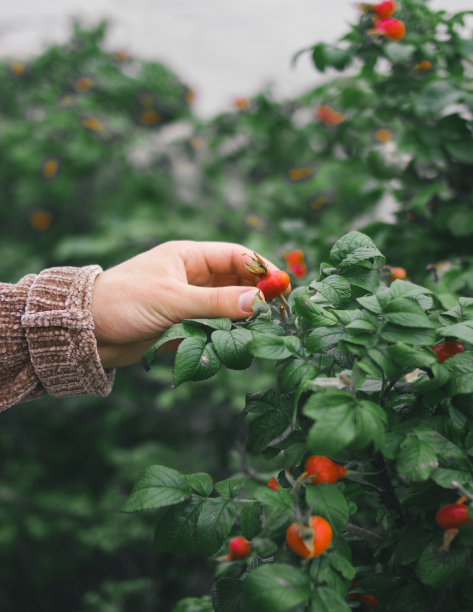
{"x": 210, "y": 259}
{"x": 215, "y": 302}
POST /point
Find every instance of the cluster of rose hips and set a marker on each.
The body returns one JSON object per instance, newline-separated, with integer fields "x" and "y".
{"x": 383, "y": 22}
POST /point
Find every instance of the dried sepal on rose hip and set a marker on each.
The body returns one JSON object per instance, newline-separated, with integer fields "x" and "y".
{"x": 272, "y": 283}
{"x": 311, "y": 539}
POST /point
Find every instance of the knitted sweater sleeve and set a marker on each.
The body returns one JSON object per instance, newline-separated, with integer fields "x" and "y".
{"x": 47, "y": 341}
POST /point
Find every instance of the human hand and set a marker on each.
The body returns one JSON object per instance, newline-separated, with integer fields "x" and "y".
{"x": 136, "y": 301}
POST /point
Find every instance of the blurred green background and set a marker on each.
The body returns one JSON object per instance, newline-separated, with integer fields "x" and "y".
{"x": 102, "y": 157}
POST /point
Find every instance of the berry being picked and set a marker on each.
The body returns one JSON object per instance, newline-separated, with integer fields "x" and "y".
{"x": 447, "y": 349}
{"x": 324, "y": 469}
{"x": 272, "y": 283}
{"x": 309, "y": 541}
{"x": 273, "y": 484}
{"x": 390, "y": 28}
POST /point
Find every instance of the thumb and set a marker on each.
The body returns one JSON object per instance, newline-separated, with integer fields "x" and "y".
{"x": 215, "y": 302}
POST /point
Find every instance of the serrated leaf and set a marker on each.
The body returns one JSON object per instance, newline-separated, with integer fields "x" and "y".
{"x": 250, "y": 520}
{"x": 441, "y": 569}
{"x": 198, "y": 526}
{"x": 370, "y": 302}
{"x": 410, "y": 357}
{"x": 232, "y": 348}
{"x": 416, "y": 459}
{"x": 356, "y": 248}
{"x": 158, "y": 486}
{"x": 362, "y": 277}
{"x": 316, "y": 316}
{"x": 322, "y": 337}
{"x": 407, "y": 313}
{"x": 328, "y": 501}
{"x": 195, "y": 360}
{"x": 262, "y": 325}
{"x": 226, "y": 595}
{"x": 408, "y": 335}
{"x": 402, "y": 288}
{"x": 460, "y": 368}
{"x": 462, "y": 331}
{"x": 293, "y": 371}
{"x": 275, "y": 587}
{"x": 333, "y": 431}
{"x": 223, "y": 324}
{"x": 410, "y": 545}
{"x": 325, "y": 599}
{"x": 341, "y": 564}
{"x": 201, "y": 482}
{"x": 229, "y": 487}
{"x": 444, "y": 477}
{"x": 370, "y": 423}
{"x": 176, "y": 332}
{"x": 267, "y": 346}
{"x": 335, "y": 289}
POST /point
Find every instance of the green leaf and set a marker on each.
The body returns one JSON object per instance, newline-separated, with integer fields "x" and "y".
{"x": 407, "y": 313}
{"x": 326, "y": 600}
{"x": 315, "y": 315}
{"x": 408, "y": 335}
{"x": 267, "y": 346}
{"x": 435, "y": 98}
{"x": 232, "y": 348}
{"x": 230, "y": 487}
{"x": 264, "y": 326}
{"x": 195, "y": 604}
{"x": 318, "y": 56}
{"x": 410, "y": 357}
{"x": 362, "y": 277}
{"x": 158, "y": 486}
{"x": 460, "y": 368}
{"x": 416, "y": 459}
{"x": 460, "y": 151}
{"x": 440, "y": 569}
{"x": 293, "y": 371}
{"x": 250, "y": 520}
{"x": 356, "y": 248}
{"x": 319, "y": 403}
{"x": 198, "y": 526}
{"x": 462, "y": 331}
{"x": 440, "y": 377}
{"x": 370, "y": 423}
{"x": 223, "y": 324}
{"x": 201, "y": 482}
{"x": 275, "y": 587}
{"x": 226, "y": 595}
{"x": 402, "y": 288}
{"x": 176, "y": 332}
{"x": 328, "y": 501}
{"x": 444, "y": 477}
{"x": 370, "y": 302}
{"x": 340, "y": 563}
{"x": 195, "y": 360}
{"x": 333, "y": 431}
{"x": 322, "y": 337}
{"x": 398, "y": 53}
{"x": 410, "y": 545}
{"x": 335, "y": 289}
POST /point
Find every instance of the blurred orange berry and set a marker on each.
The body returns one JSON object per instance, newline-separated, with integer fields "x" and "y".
{"x": 121, "y": 56}
{"x": 328, "y": 115}
{"x": 423, "y": 66}
{"x": 150, "y": 117}
{"x": 17, "y": 68}
{"x": 93, "y": 123}
{"x": 40, "y": 220}
{"x": 50, "y": 167}
{"x": 273, "y": 484}
{"x": 391, "y": 28}
{"x": 398, "y": 274}
{"x": 383, "y": 135}
{"x": 241, "y": 103}
{"x": 299, "y": 174}
{"x": 83, "y": 84}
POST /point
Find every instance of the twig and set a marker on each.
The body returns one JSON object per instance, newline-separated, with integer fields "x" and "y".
{"x": 364, "y": 534}
{"x": 461, "y": 490}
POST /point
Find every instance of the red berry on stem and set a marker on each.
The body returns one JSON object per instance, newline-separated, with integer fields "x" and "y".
{"x": 273, "y": 484}
{"x": 273, "y": 284}
{"x": 391, "y": 28}
{"x": 384, "y": 9}
{"x": 324, "y": 469}
{"x": 309, "y": 541}
{"x": 398, "y": 273}
{"x": 239, "y": 548}
{"x": 453, "y": 516}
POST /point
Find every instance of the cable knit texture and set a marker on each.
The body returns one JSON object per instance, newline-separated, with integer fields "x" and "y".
{"x": 47, "y": 341}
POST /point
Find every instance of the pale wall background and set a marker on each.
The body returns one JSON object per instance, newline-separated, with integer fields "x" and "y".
{"x": 221, "y": 48}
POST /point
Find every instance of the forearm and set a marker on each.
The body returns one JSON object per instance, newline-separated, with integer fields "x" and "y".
{"x": 47, "y": 342}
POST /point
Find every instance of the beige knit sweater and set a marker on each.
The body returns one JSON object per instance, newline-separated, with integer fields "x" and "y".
{"x": 47, "y": 342}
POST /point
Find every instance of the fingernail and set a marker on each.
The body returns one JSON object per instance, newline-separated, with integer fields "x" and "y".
{"x": 245, "y": 300}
